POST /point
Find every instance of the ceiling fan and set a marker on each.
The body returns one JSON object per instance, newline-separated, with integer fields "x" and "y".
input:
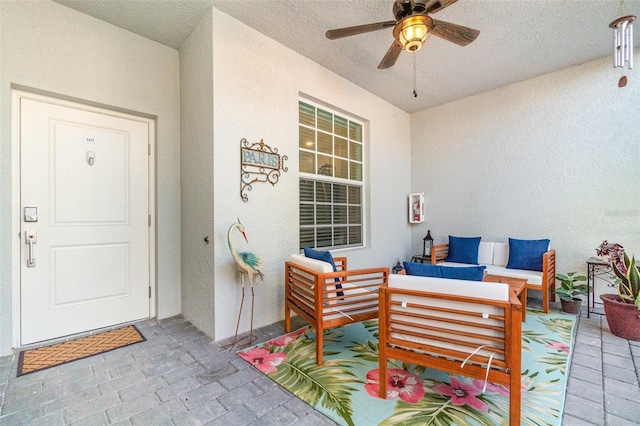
{"x": 411, "y": 28}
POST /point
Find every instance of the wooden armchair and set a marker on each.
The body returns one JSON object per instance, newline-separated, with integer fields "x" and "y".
{"x": 327, "y": 299}
{"x": 454, "y": 326}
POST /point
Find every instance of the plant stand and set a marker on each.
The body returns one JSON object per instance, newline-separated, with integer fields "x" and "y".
{"x": 623, "y": 318}
{"x": 571, "y": 306}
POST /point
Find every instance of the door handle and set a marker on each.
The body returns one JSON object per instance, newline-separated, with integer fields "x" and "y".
{"x": 31, "y": 237}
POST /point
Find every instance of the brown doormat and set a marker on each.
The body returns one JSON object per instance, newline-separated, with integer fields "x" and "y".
{"x": 33, "y": 360}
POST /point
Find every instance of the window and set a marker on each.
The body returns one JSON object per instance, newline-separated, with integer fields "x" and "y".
{"x": 331, "y": 178}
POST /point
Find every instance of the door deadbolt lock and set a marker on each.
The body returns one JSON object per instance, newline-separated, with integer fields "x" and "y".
{"x": 30, "y": 214}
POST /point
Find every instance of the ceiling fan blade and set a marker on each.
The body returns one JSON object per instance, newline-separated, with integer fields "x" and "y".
{"x": 358, "y": 29}
{"x": 434, "y": 6}
{"x": 454, "y": 33}
{"x": 391, "y": 56}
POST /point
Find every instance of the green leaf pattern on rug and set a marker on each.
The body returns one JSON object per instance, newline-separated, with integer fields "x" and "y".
{"x": 540, "y": 404}
{"x": 350, "y": 367}
{"x": 436, "y": 409}
{"x": 330, "y": 384}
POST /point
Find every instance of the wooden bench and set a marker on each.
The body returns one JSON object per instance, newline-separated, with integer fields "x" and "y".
{"x": 442, "y": 324}
{"x": 495, "y": 257}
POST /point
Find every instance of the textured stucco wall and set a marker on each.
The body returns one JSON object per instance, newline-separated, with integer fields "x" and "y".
{"x": 196, "y": 175}
{"x": 553, "y": 157}
{"x": 257, "y": 83}
{"x": 50, "y": 47}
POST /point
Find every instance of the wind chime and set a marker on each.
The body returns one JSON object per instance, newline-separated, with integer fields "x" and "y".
{"x": 623, "y": 42}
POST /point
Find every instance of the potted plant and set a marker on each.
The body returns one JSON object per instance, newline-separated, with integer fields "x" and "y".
{"x": 623, "y": 309}
{"x": 569, "y": 291}
{"x": 610, "y": 252}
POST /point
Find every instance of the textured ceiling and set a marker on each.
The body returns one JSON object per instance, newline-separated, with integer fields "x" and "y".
{"x": 519, "y": 39}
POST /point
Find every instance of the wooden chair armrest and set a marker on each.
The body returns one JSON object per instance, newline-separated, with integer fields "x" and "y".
{"x": 549, "y": 268}
{"x": 439, "y": 253}
{"x": 357, "y": 272}
{"x": 513, "y": 299}
{"x": 549, "y": 260}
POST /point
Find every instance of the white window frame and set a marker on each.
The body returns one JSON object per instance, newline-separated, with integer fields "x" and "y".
{"x": 336, "y": 180}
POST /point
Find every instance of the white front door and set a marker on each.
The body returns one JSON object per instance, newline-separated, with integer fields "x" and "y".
{"x": 84, "y": 195}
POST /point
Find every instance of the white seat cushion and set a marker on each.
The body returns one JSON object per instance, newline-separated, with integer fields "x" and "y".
{"x": 315, "y": 265}
{"x": 532, "y": 277}
{"x": 500, "y": 254}
{"x": 485, "y": 253}
{"x": 475, "y": 289}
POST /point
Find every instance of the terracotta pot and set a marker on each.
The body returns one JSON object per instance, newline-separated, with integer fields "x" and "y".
{"x": 623, "y": 318}
{"x": 571, "y": 306}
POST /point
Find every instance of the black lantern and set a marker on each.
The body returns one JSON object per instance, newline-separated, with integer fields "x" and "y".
{"x": 427, "y": 243}
{"x": 398, "y": 267}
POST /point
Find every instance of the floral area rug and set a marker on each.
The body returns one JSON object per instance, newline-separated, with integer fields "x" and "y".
{"x": 345, "y": 387}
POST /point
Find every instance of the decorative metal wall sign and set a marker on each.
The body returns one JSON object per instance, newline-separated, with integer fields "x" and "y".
{"x": 259, "y": 163}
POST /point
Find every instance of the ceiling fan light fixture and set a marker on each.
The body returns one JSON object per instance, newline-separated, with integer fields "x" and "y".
{"x": 412, "y": 31}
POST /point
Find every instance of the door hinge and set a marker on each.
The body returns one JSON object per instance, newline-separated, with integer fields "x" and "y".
{"x": 149, "y": 149}
{"x": 149, "y": 292}
{"x": 149, "y": 220}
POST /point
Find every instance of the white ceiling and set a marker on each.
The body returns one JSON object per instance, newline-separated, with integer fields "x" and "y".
{"x": 519, "y": 39}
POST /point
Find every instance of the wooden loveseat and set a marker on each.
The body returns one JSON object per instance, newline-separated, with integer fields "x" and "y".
{"x": 462, "y": 327}
{"x": 495, "y": 257}
{"x": 326, "y": 299}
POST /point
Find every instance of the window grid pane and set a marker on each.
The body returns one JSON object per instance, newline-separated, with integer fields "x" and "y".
{"x": 355, "y": 235}
{"x": 323, "y": 192}
{"x": 342, "y": 169}
{"x": 340, "y": 236}
{"x": 306, "y": 214}
{"x": 355, "y": 131}
{"x": 325, "y": 143}
{"x": 355, "y": 151}
{"x": 323, "y": 237}
{"x": 307, "y": 162}
{"x": 340, "y": 194}
{"x": 306, "y": 190}
{"x": 330, "y": 209}
{"x": 307, "y": 238}
{"x": 341, "y": 147}
{"x": 341, "y": 126}
{"x": 307, "y": 114}
{"x": 355, "y": 171}
{"x": 307, "y": 138}
{"x": 325, "y": 120}
{"x": 340, "y": 215}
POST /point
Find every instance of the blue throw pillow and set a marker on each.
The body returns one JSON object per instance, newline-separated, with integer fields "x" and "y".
{"x": 526, "y": 254}
{"x": 422, "y": 269}
{"x": 469, "y": 273}
{"x": 463, "y": 250}
{"x": 324, "y": 256}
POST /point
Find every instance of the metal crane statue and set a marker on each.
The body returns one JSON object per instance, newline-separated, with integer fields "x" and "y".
{"x": 247, "y": 264}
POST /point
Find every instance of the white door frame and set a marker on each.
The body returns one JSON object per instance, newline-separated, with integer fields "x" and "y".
{"x": 16, "y": 96}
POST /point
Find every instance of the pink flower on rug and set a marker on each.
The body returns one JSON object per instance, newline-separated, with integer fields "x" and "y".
{"x": 263, "y": 360}
{"x": 558, "y": 346}
{"x": 400, "y": 383}
{"x": 287, "y": 338}
{"x": 492, "y": 387}
{"x": 462, "y": 393}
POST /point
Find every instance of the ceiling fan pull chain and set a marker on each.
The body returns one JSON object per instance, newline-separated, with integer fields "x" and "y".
{"x": 415, "y": 94}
